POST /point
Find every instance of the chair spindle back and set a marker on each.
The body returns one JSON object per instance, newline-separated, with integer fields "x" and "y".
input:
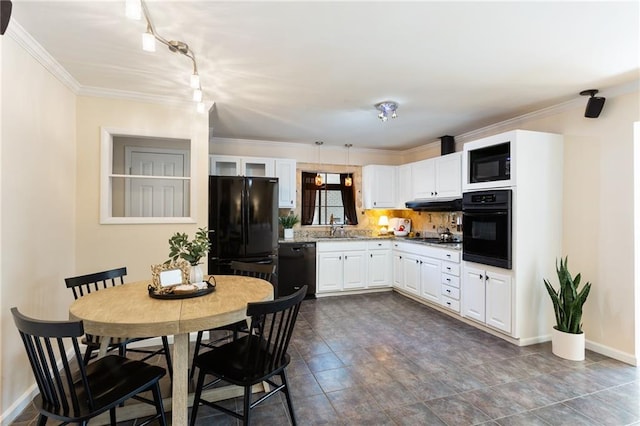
{"x": 85, "y": 284}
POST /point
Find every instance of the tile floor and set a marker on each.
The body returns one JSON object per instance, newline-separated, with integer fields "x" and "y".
{"x": 383, "y": 359}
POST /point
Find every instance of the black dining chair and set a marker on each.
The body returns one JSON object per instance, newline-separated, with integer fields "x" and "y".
{"x": 253, "y": 358}
{"x": 86, "y": 284}
{"x": 72, "y": 396}
{"x": 264, "y": 271}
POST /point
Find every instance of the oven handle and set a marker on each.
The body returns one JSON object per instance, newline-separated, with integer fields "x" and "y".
{"x": 484, "y": 213}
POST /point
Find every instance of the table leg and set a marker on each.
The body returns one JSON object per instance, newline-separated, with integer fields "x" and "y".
{"x": 104, "y": 346}
{"x": 179, "y": 404}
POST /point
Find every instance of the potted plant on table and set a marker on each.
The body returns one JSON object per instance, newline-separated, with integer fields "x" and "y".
{"x": 287, "y": 223}
{"x": 180, "y": 247}
{"x": 567, "y": 339}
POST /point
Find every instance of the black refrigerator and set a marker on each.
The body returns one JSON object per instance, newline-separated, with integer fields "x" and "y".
{"x": 243, "y": 221}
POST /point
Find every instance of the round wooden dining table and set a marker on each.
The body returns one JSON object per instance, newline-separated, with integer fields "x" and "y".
{"x": 128, "y": 311}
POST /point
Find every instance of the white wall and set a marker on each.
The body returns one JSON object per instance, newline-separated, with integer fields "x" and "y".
{"x": 37, "y": 187}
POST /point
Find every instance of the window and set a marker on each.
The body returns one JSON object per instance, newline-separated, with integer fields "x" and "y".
{"x": 145, "y": 179}
{"x": 330, "y": 200}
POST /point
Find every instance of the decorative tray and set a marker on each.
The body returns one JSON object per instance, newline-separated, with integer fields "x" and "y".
{"x": 210, "y": 288}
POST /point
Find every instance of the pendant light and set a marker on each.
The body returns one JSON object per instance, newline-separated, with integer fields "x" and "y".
{"x": 319, "y": 181}
{"x": 348, "y": 181}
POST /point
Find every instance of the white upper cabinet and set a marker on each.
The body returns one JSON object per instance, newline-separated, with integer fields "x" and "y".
{"x": 438, "y": 178}
{"x": 404, "y": 192}
{"x": 230, "y": 165}
{"x": 286, "y": 174}
{"x": 379, "y": 187}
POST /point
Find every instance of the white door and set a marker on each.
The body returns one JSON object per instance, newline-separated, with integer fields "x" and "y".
{"x": 355, "y": 269}
{"x": 398, "y": 277}
{"x": 156, "y": 197}
{"x": 449, "y": 175}
{"x": 430, "y": 279}
{"x": 379, "y": 273}
{"x": 498, "y": 290}
{"x": 473, "y": 296}
{"x": 330, "y": 271}
{"x": 424, "y": 179}
{"x": 411, "y": 271}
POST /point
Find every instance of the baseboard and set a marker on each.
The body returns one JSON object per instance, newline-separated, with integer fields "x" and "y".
{"x": 347, "y": 292}
{"x": 14, "y": 410}
{"x": 612, "y": 353}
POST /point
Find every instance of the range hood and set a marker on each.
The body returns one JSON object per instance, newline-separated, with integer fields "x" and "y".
{"x": 454, "y": 205}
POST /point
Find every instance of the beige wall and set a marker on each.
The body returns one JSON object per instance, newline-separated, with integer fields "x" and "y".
{"x": 37, "y": 188}
{"x": 137, "y": 247}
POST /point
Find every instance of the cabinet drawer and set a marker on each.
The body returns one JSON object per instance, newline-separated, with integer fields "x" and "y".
{"x": 451, "y": 292}
{"x": 450, "y": 255}
{"x": 451, "y": 268}
{"x": 452, "y": 304}
{"x": 451, "y": 280}
{"x": 379, "y": 245}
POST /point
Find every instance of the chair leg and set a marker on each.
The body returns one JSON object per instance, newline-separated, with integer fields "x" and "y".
{"x": 157, "y": 397}
{"x": 167, "y": 354}
{"x": 196, "y": 398}
{"x": 283, "y": 377}
{"x": 42, "y": 420}
{"x": 87, "y": 356}
{"x": 112, "y": 416}
{"x": 247, "y": 402}
{"x": 195, "y": 354}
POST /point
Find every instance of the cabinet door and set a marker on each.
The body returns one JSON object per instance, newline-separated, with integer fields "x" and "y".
{"x": 379, "y": 187}
{"x": 404, "y": 192}
{"x": 448, "y": 175}
{"x": 258, "y": 167}
{"x": 424, "y": 179}
{"x": 398, "y": 276}
{"x": 473, "y": 295}
{"x": 329, "y": 272}
{"x": 411, "y": 273}
{"x": 379, "y": 271}
{"x": 225, "y": 165}
{"x": 498, "y": 304}
{"x": 430, "y": 279}
{"x": 355, "y": 269}
{"x": 286, "y": 174}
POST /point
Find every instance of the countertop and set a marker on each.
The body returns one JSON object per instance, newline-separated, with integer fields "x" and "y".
{"x": 309, "y": 239}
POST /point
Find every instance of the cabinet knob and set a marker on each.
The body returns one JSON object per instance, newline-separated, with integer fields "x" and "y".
{"x": 417, "y": 261}
{"x": 448, "y": 291}
{"x": 449, "y": 279}
{"x": 449, "y": 303}
{"x": 448, "y": 255}
{"x": 486, "y": 277}
{"x": 480, "y": 276}
{"x": 371, "y": 255}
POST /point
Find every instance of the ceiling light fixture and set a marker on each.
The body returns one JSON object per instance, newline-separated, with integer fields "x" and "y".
{"x": 348, "y": 181}
{"x": 135, "y": 9}
{"x": 318, "y": 179}
{"x": 387, "y": 109}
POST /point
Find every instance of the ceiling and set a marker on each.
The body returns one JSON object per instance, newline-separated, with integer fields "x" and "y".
{"x": 307, "y": 71}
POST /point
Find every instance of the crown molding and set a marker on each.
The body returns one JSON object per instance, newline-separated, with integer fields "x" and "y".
{"x": 29, "y": 44}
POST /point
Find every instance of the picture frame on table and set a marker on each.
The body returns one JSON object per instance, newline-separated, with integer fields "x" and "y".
{"x": 166, "y": 276}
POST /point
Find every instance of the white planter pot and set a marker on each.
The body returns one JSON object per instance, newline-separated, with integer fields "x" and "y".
{"x": 288, "y": 234}
{"x": 567, "y": 345}
{"x": 196, "y": 274}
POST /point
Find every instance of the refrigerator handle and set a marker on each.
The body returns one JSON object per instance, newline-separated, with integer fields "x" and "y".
{"x": 245, "y": 212}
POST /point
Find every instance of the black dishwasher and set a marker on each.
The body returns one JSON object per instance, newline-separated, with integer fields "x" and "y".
{"x": 296, "y": 267}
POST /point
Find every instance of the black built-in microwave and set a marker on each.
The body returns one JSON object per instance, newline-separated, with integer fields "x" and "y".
{"x": 490, "y": 164}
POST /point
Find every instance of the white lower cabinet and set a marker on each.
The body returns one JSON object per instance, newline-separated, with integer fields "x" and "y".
{"x": 422, "y": 270}
{"x": 486, "y": 297}
{"x": 353, "y": 265}
{"x": 379, "y": 264}
{"x": 430, "y": 279}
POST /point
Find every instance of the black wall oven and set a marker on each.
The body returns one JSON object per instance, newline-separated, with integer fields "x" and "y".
{"x": 486, "y": 227}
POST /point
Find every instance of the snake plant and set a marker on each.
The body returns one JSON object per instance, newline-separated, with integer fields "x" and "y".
{"x": 568, "y": 301}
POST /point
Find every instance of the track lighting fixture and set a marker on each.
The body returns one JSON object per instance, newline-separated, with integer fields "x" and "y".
{"x": 136, "y": 9}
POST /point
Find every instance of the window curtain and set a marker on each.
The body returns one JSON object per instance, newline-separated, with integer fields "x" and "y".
{"x": 348, "y": 201}
{"x": 308, "y": 197}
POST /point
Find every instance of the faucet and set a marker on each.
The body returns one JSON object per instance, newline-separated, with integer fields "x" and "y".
{"x": 333, "y": 227}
